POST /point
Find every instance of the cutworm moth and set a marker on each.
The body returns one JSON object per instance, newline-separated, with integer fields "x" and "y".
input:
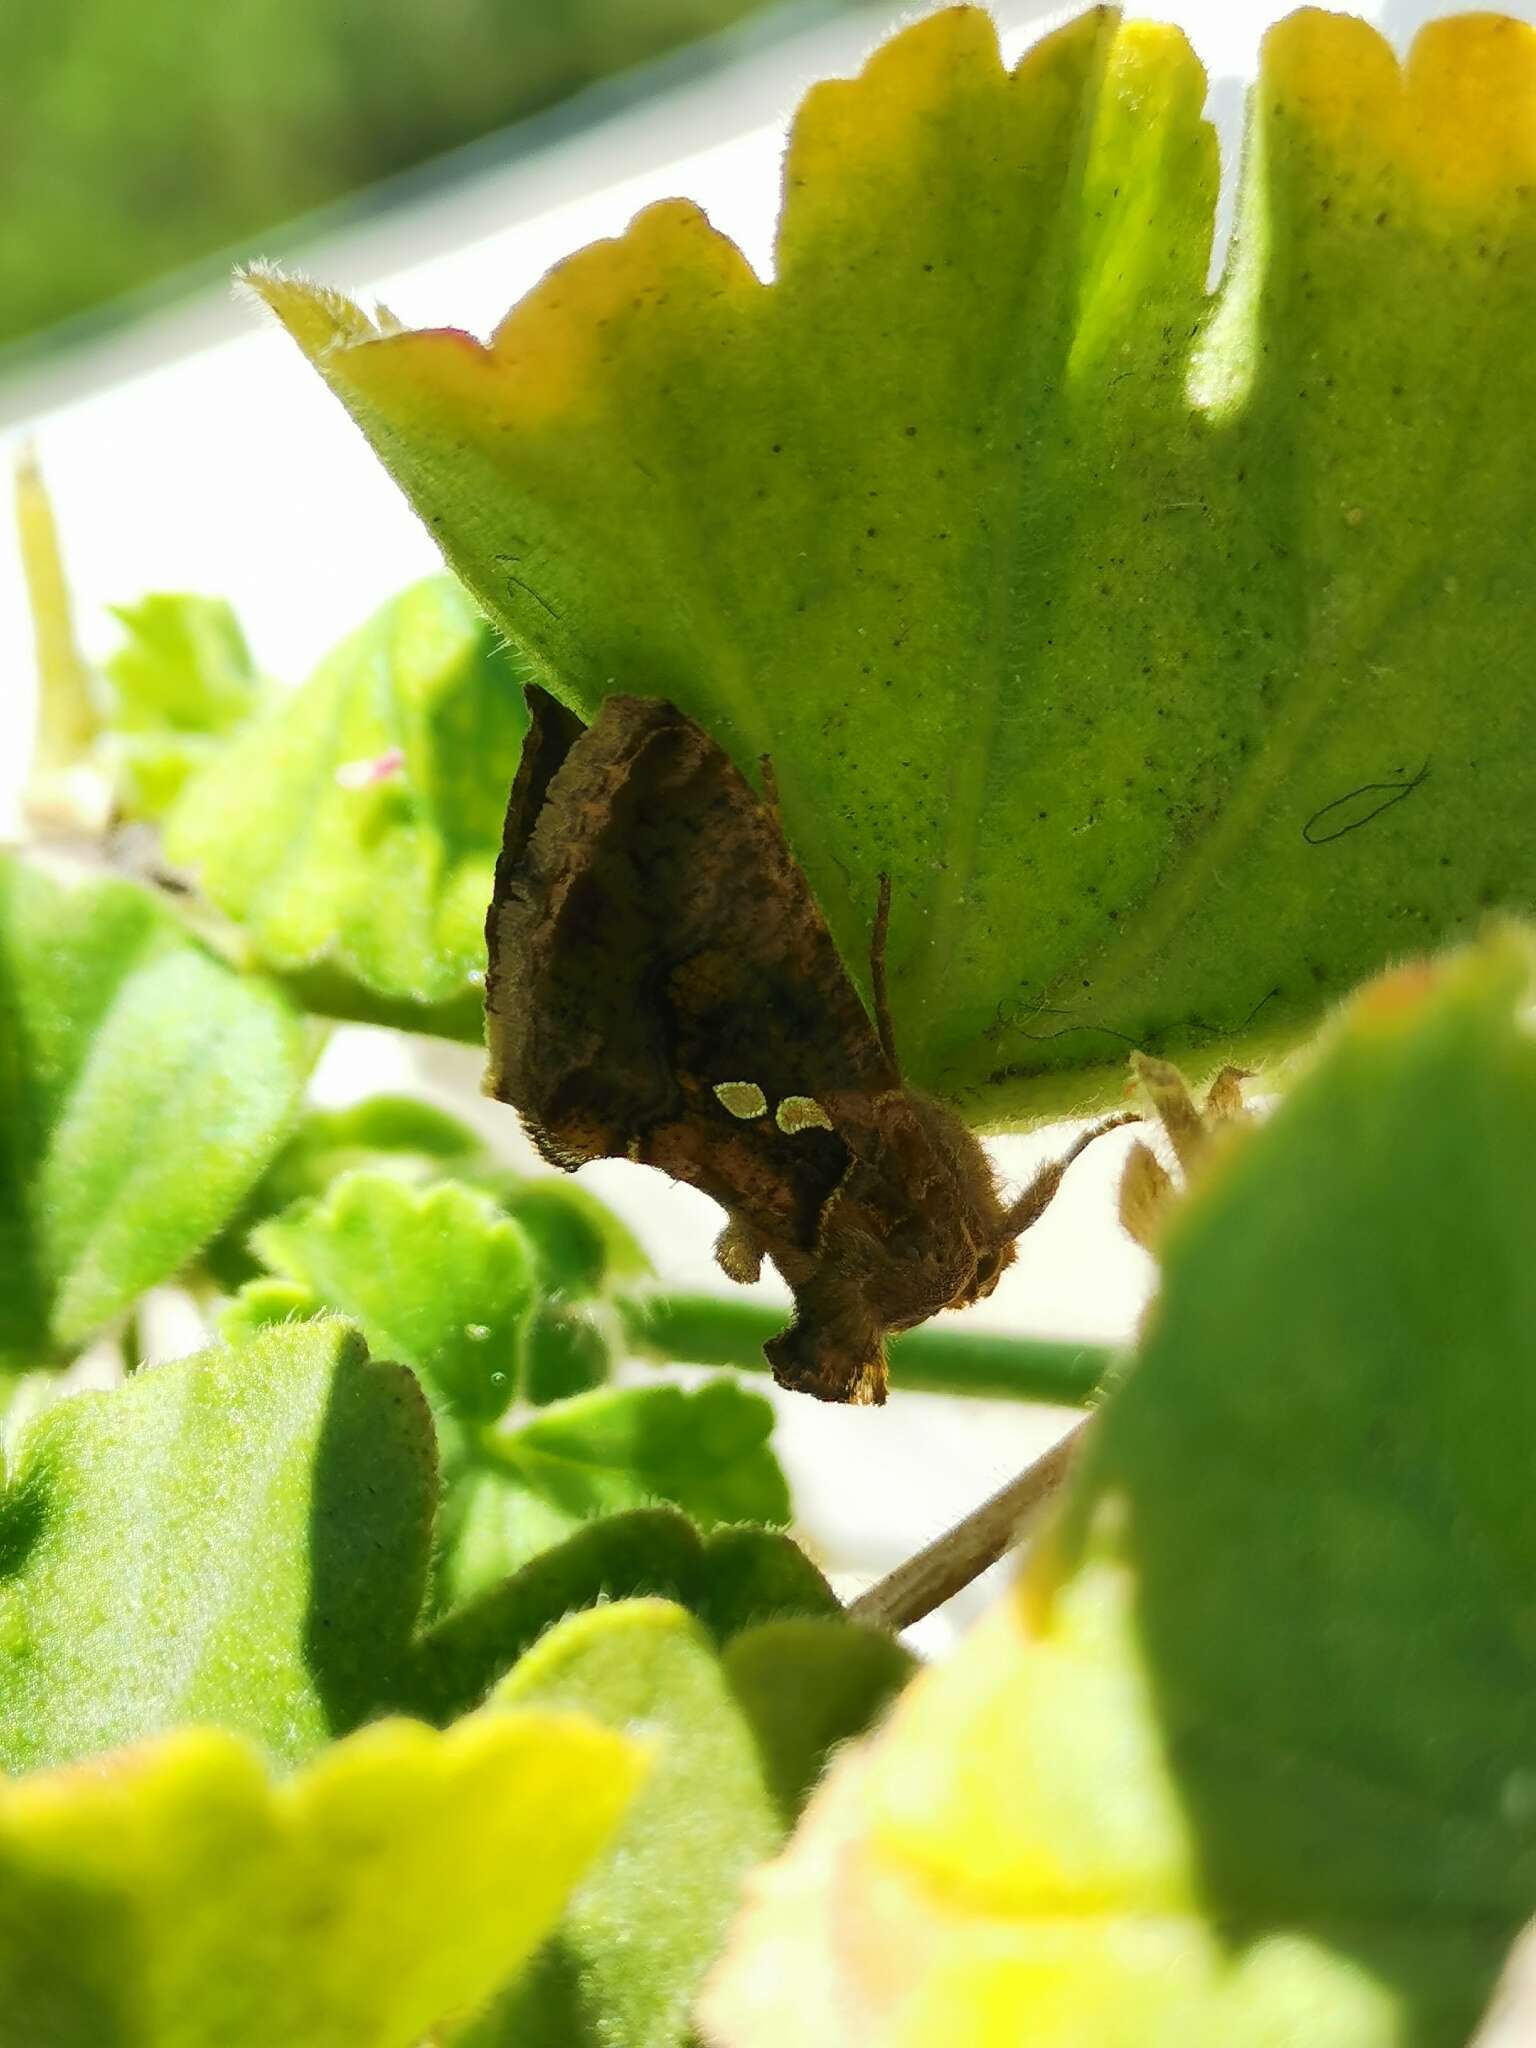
{"x": 663, "y": 987}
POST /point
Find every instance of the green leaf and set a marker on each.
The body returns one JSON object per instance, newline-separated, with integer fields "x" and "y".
{"x": 705, "y": 1451}
{"x": 264, "y": 1304}
{"x": 353, "y": 829}
{"x": 144, "y": 1087}
{"x": 1322, "y": 1456}
{"x": 1200, "y": 623}
{"x": 172, "y": 1897}
{"x": 393, "y": 1134}
{"x": 437, "y": 1278}
{"x": 582, "y": 1246}
{"x": 239, "y": 1538}
{"x": 732, "y": 1580}
{"x": 566, "y": 1350}
{"x": 648, "y": 1919}
{"x": 806, "y": 1685}
{"x": 25, "y": 1396}
{"x": 579, "y": 1245}
{"x": 647, "y": 1923}
{"x": 1247, "y": 1756}
{"x": 703, "y": 1448}
{"x": 181, "y": 682}
{"x": 184, "y": 666}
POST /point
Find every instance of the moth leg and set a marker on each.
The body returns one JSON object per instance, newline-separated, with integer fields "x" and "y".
{"x": 1146, "y": 1187}
{"x": 770, "y": 782}
{"x": 1224, "y": 1098}
{"x": 1031, "y": 1205}
{"x": 1175, "y": 1106}
{"x": 884, "y": 1029}
{"x": 739, "y": 1251}
{"x": 834, "y": 1348}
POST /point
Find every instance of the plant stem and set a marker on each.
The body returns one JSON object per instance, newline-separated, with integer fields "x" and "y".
{"x": 66, "y": 716}
{"x": 963, "y": 1553}
{"x": 708, "y": 1329}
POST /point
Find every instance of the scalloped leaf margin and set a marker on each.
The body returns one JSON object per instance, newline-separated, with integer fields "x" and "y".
{"x": 1174, "y": 654}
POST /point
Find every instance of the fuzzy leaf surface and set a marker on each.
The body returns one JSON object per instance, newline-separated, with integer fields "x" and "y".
{"x": 808, "y": 1683}
{"x": 395, "y": 1134}
{"x": 171, "y": 1896}
{"x": 1245, "y": 1755}
{"x": 705, "y": 1450}
{"x": 436, "y": 1277}
{"x": 239, "y": 1538}
{"x": 732, "y": 1579}
{"x": 649, "y": 1917}
{"x": 353, "y": 828}
{"x": 144, "y": 1088}
{"x": 1175, "y": 654}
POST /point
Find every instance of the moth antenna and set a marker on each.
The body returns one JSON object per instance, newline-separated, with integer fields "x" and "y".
{"x": 884, "y": 1028}
{"x": 770, "y": 783}
{"x": 1032, "y": 1204}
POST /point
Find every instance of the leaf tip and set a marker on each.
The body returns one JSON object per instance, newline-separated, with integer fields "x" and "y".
{"x": 318, "y": 317}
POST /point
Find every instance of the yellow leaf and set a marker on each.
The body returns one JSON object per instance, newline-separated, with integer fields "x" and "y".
{"x": 1007, "y": 1863}
{"x": 171, "y": 1896}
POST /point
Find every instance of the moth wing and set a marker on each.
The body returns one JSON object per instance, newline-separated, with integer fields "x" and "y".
{"x": 652, "y": 939}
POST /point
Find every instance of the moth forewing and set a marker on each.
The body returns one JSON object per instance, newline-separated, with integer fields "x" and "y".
{"x": 663, "y": 987}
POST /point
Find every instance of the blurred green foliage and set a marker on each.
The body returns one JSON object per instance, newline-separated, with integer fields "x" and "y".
{"x": 138, "y": 138}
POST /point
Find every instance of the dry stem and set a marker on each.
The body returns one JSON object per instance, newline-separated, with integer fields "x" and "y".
{"x": 951, "y": 1561}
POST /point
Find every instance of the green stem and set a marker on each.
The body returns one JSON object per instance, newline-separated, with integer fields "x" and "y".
{"x": 708, "y": 1329}
{"x": 66, "y": 716}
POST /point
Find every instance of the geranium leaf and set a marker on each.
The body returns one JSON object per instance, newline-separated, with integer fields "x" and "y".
{"x": 263, "y": 1303}
{"x": 807, "y": 1684}
{"x": 180, "y": 683}
{"x": 705, "y": 1450}
{"x": 1246, "y": 1755}
{"x": 566, "y": 1350}
{"x": 394, "y": 1134}
{"x": 144, "y": 1087}
{"x": 352, "y": 829}
{"x": 172, "y": 1895}
{"x": 239, "y": 1538}
{"x": 732, "y": 1580}
{"x": 436, "y": 1277}
{"x": 647, "y": 1920}
{"x": 1172, "y": 653}
{"x": 641, "y": 1932}
{"x": 582, "y": 1247}
{"x": 183, "y": 665}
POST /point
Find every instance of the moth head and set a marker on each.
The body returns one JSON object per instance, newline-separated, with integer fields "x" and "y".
{"x": 992, "y": 1263}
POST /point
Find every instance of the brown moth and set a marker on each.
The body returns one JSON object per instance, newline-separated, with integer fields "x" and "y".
{"x": 663, "y": 987}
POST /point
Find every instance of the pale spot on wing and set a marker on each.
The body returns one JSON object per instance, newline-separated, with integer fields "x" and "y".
{"x": 801, "y": 1113}
{"x": 742, "y": 1098}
